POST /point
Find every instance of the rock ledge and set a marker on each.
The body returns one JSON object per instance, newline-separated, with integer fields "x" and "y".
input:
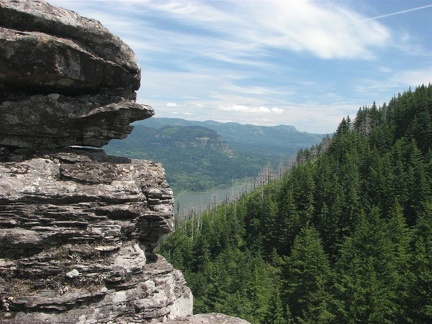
{"x": 64, "y": 79}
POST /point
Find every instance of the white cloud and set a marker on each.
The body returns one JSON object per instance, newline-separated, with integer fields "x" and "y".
{"x": 301, "y": 25}
{"x": 260, "y": 110}
{"x": 246, "y": 109}
{"x": 413, "y": 77}
{"x": 282, "y": 62}
{"x": 242, "y": 28}
{"x": 182, "y": 113}
{"x": 327, "y": 32}
{"x": 239, "y": 108}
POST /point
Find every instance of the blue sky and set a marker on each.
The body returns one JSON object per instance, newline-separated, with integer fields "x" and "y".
{"x": 296, "y": 62}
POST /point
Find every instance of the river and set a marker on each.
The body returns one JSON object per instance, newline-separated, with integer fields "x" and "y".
{"x": 191, "y": 202}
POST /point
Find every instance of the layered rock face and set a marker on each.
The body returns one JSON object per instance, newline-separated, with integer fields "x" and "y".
{"x": 77, "y": 230}
{"x": 77, "y": 227}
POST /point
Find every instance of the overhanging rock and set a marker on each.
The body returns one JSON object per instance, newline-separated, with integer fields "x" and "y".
{"x": 64, "y": 79}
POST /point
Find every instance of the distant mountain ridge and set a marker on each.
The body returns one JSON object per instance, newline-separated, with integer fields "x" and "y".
{"x": 281, "y": 139}
{"x": 202, "y": 155}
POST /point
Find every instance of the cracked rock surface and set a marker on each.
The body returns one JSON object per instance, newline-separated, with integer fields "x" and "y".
{"x": 77, "y": 230}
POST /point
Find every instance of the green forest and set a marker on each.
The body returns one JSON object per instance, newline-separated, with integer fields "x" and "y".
{"x": 195, "y": 158}
{"x": 199, "y": 156}
{"x": 344, "y": 236}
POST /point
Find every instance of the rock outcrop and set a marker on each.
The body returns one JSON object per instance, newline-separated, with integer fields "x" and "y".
{"x": 64, "y": 79}
{"x": 212, "y": 318}
{"x": 78, "y": 227}
{"x": 77, "y": 232}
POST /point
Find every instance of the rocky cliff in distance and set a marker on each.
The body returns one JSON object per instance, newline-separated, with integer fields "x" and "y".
{"x": 78, "y": 227}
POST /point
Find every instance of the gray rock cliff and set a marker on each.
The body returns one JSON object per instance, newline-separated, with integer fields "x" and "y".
{"x": 77, "y": 232}
{"x": 78, "y": 227}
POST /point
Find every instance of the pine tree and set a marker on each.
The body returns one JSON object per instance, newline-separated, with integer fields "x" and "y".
{"x": 419, "y": 300}
{"x": 288, "y": 220}
{"x": 366, "y": 279}
{"x": 305, "y": 278}
{"x": 275, "y": 314}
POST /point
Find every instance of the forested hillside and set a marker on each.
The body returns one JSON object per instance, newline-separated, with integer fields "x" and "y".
{"x": 195, "y": 158}
{"x": 344, "y": 237}
{"x": 199, "y": 156}
{"x": 279, "y": 140}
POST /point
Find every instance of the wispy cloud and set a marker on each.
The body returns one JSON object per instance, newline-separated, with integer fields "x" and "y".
{"x": 397, "y": 81}
{"x": 412, "y": 77}
{"x": 246, "y": 109}
{"x": 301, "y": 62}
{"x": 241, "y": 26}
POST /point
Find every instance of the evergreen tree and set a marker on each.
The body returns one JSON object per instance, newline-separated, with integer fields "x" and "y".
{"x": 288, "y": 220}
{"x": 305, "y": 279}
{"x": 275, "y": 313}
{"x": 344, "y": 237}
{"x": 366, "y": 279}
{"x": 419, "y": 300}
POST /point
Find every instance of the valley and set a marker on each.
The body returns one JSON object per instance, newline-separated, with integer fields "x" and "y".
{"x": 201, "y": 156}
{"x": 189, "y": 203}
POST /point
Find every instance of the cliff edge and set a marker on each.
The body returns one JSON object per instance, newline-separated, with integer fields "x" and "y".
{"x": 64, "y": 79}
{"x": 78, "y": 227}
